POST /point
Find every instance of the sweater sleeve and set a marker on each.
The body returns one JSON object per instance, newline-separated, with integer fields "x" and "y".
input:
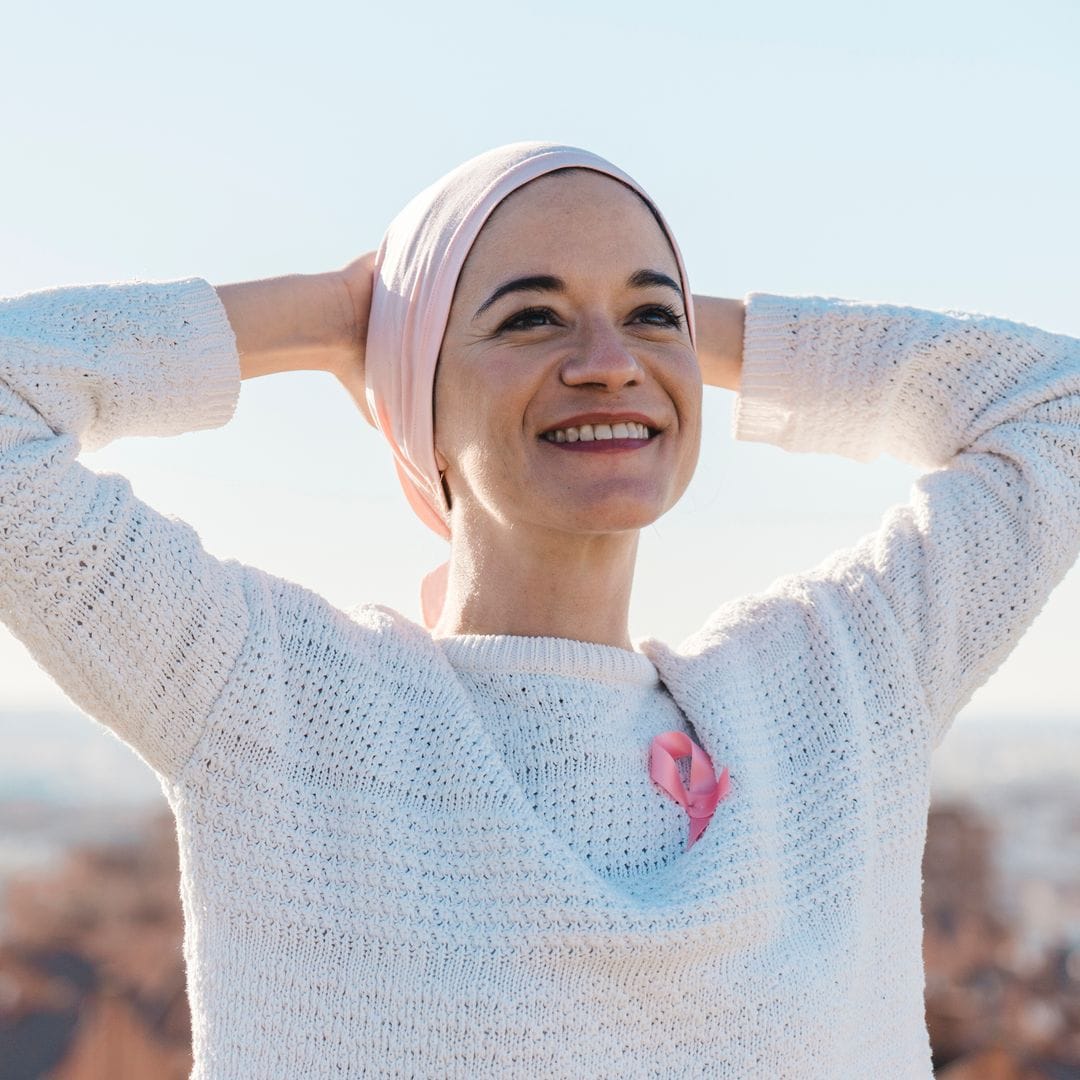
{"x": 990, "y": 408}
{"x": 119, "y": 604}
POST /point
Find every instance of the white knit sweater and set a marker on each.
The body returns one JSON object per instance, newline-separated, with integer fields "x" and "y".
{"x": 416, "y": 859}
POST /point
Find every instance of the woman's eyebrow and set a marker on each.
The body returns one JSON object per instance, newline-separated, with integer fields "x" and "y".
{"x": 642, "y": 279}
{"x": 639, "y": 279}
{"x": 533, "y": 283}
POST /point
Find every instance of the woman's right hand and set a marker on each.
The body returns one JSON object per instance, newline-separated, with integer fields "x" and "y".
{"x": 357, "y": 279}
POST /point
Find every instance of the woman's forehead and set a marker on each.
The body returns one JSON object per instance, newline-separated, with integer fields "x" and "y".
{"x": 568, "y": 194}
{"x": 572, "y": 217}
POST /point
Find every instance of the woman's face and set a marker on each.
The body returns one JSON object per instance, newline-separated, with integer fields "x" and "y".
{"x": 568, "y": 315}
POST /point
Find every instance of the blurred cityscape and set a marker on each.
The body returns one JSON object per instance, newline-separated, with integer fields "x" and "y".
{"x": 91, "y": 971}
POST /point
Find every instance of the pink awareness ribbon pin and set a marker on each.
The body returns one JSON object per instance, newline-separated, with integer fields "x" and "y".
{"x": 705, "y": 789}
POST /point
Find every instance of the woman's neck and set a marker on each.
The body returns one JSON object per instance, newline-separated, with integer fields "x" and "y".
{"x": 552, "y": 586}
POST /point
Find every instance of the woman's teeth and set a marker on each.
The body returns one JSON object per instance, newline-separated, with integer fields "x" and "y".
{"x": 592, "y": 432}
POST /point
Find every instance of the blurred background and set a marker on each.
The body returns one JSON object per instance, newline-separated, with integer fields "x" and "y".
{"x": 923, "y": 154}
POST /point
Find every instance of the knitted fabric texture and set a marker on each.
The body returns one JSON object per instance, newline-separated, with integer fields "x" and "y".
{"x": 396, "y": 858}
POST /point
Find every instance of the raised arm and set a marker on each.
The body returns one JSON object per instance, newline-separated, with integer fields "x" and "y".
{"x": 991, "y": 408}
{"x": 118, "y": 603}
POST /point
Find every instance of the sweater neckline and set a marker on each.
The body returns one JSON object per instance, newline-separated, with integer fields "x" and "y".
{"x": 638, "y": 901}
{"x": 566, "y": 657}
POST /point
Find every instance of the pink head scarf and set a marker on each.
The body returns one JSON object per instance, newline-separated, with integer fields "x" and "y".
{"x": 416, "y": 273}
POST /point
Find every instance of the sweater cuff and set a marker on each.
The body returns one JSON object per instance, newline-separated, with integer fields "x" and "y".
{"x": 764, "y": 406}
{"x": 204, "y": 374}
{"x": 817, "y": 376}
{"x": 174, "y": 368}
{"x": 197, "y": 380}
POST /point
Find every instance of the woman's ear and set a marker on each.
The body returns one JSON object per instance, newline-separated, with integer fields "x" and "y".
{"x": 442, "y": 463}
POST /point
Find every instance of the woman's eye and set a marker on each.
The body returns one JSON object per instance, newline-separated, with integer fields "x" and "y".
{"x": 528, "y": 318}
{"x": 661, "y": 315}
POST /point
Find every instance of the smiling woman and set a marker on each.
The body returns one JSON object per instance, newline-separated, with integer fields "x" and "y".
{"x": 461, "y": 849}
{"x": 463, "y": 361}
{"x": 582, "y": 336}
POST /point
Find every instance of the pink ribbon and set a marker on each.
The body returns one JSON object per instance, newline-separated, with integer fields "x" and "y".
{"x": 705, "y": 789}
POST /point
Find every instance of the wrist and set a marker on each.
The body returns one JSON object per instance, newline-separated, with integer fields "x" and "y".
{"x": 341, "y": 332}
{"x": 297, "y": 322}
{"x": 721, "y": 326}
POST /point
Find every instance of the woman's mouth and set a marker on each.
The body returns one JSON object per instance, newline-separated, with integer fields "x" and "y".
{"x": 601, "y": 438}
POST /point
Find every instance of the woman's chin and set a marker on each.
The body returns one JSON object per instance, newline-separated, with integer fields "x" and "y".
{"x": 620, "y": 516}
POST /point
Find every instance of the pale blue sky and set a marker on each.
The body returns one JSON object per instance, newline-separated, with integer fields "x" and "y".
{"x": 922, "y": 154}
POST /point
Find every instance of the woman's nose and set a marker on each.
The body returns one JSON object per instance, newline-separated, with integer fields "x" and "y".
{"x": 601, "y": 357}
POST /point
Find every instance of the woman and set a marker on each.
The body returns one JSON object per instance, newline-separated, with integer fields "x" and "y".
{"x": 442, "y": 850}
